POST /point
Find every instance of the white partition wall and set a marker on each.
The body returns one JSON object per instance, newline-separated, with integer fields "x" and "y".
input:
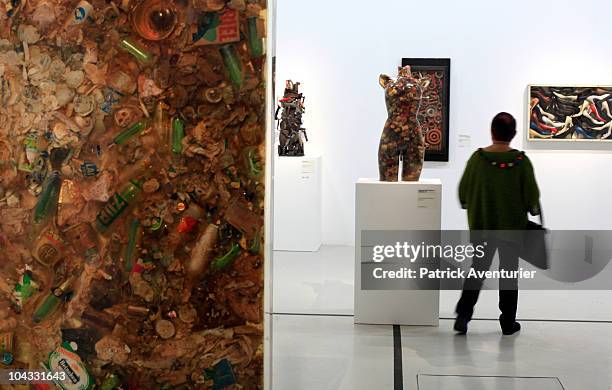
{"x": 395, "y": 206}
{"x": 297, "y": 204}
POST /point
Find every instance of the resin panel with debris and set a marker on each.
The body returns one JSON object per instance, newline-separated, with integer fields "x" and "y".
{"x": 132, "y": 144}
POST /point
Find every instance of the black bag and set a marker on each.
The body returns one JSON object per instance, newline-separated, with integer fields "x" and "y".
{"x": 534, "y": 250}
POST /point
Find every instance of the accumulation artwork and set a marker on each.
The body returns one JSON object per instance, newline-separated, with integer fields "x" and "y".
{"x": 570, "y": 113}
{"x": 131, "y": 192}
{"x": 292, "y": 135}
{"x": 402, "y": 137}
{"x": 433, "y": 114}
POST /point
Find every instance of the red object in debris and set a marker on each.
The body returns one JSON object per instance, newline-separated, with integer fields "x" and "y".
{"x": 138, "y": 269}
{"x": 187, "y": 224}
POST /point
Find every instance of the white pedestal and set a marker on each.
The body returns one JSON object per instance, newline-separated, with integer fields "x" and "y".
{"x": 396, "y": 206}
{"x": 297, "y": 204}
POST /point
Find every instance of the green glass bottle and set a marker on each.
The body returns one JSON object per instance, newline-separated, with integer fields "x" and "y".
{"x": 52, "y": 301}
{"x": 134, "y": 237}
{"x": 232, "y": 64}
{"x": 138, "y": 51}
{"x": 178, "y": 133}
{"x": 225, "y": 260}
{"x": 117, "y": 204}
{"x": 251, "y": 160}
{"x": 255, "y": 41}
{"x": 110, "y": 383}
{"x": 131, "y": 131}
{"x": 48, "y": 199}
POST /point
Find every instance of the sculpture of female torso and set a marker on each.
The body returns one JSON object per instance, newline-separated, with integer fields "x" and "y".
{"x": 402, "y": 139}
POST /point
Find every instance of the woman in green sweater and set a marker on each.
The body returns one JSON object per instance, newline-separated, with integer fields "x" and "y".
{"x": 498, "y": 189}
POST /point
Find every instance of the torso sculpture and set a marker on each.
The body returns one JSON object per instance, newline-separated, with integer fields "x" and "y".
{"x": 290, "y": 123}
{"x": 402, "y": 139}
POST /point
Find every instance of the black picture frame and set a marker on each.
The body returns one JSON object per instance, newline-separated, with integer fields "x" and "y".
{"x": 444, "y": 65}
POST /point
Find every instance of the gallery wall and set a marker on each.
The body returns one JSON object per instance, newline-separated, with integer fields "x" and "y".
{"x": 338, "y": 49}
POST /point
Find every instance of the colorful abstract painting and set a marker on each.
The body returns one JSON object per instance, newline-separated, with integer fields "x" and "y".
{"x": 570, "y": 113}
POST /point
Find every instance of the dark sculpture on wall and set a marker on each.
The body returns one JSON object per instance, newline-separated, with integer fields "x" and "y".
{"x": 402, "y": 138}
{"x": 290, "y": 122}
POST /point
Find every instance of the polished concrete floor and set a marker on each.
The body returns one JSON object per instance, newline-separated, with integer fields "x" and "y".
{"x": 328, "y": 353}
{"x": 316, "y": 345}
{"x": 314, "y": 283}
{"x": 453, "y": 382}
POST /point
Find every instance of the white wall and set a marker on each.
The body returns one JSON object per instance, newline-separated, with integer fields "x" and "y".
{"x": 338, "y": 48}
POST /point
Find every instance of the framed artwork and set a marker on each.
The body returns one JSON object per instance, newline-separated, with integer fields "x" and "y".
{"x": 434, "y": 110}
{"x": 562, "y": 113}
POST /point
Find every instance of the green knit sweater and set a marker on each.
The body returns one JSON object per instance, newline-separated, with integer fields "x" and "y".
{"x": 498, "y": 189}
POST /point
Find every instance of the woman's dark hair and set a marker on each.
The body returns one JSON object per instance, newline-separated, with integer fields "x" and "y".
{"x": 503, "y": 127}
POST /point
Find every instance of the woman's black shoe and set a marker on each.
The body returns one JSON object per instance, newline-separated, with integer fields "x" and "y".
{"x": 461, "y": 325}
{"x": 510, "y": 330}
